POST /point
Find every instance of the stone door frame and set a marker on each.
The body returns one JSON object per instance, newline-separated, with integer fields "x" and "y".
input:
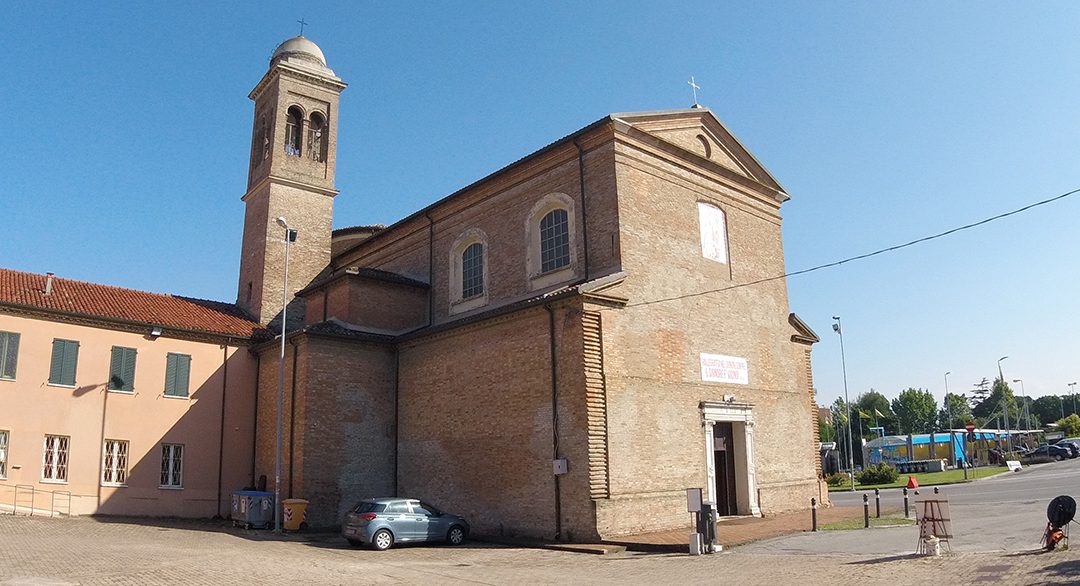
{"x": 741, "y": 416}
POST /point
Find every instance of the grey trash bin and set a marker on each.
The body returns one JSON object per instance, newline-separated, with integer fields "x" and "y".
{"x": 253, "y": 508}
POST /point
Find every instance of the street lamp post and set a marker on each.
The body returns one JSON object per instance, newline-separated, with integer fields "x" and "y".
{"x": 290, "y": 236}
{"x": 948, "y": 412}
{"x": 1027, "y": 412}
{"x": 1004, "y": 405}
{"x": 1072, "y": 393}
{"x": 847, "y": 404}
{"x": 948, "y": 408}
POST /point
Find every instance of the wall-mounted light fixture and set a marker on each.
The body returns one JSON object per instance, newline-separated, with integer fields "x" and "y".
{"x": 155, "y": 332}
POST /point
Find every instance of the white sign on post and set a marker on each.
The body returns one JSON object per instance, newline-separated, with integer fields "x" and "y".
{"x": 724, "y": 369}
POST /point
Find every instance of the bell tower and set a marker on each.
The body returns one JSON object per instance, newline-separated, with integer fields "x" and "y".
{"x": 291, "y": 175}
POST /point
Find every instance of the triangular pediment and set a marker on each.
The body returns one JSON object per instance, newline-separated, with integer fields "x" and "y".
{"x": 699, "y": 131}
{"x": 801, "y": 331}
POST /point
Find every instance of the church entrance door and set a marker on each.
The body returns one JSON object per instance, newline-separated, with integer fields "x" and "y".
{"x": 724, "y": 465}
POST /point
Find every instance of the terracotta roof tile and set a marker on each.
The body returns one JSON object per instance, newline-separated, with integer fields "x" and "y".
{"x": 116, "y": 303}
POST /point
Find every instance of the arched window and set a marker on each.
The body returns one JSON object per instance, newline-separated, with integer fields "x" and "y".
{"x": 472, "y": 271}
{"x": 317, "y": 137}
{"x": 293, "y": 128}
{"x": 713, "y": 226}
{"x": 554, "y": 240}
{"x": 258, "y": 143}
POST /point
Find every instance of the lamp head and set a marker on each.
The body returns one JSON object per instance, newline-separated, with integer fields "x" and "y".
{"x": 836, "y": 317}
{"x": 281, "y": 222}
{"x": 1002, "y": 358}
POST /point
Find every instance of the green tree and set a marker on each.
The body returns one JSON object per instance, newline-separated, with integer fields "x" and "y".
{"x": 1070, "y": 425}
{"x": 826, "y": 432}
{"x": 959, "y": 408}
{"x": 1000, "y": 399}
{"x": 980, "y": 392}
{"x": 874, "y": 411}
{"x": 916, "y": 411}
{"x": 1047, "y": 408}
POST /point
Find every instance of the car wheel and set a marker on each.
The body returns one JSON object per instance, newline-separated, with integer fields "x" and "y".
{"x": 456, "y": 535}
{"x": 382, "y": 540}
{"x": 354, "y": 542}
{"x": 1058, "y": 458}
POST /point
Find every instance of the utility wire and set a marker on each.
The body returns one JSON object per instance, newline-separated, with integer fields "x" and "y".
{"x": 863, "y": 256}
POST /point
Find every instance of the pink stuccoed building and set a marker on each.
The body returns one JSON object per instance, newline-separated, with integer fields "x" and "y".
{"x": 116, "y": 401}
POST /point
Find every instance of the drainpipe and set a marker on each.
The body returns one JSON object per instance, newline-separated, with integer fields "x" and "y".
{"x": 292, "y": 417}
{"x": 255, "y": 423}
{"x": 397, "y": 409}
{"x": 554, "y": 418}
{"x": 221, "y": 425}
{"x": 584, "y": 210}
{"x": 431, "y": 269}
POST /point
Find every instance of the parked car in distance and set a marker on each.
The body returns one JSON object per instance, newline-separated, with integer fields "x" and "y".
{"x": 1050, "y": 451}
{"x": 382, "y": 522}
{"x": 1073, "y": 443}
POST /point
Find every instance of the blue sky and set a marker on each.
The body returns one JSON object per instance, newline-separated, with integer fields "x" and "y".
{"x": 127, "y": 133}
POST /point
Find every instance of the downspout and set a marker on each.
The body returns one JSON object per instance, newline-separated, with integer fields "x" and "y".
{"x": 221, "y": 426}
{"x": 397, "y": 410}
{"x": 431, "y": 269}
{"x": 325, "y": 300}
{"x": 584, "y": 210}
{"x": 554, "y": 419}
{"x": 255, "y": 422}
{"x": 292, "y": 417}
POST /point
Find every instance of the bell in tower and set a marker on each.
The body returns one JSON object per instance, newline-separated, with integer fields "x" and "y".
{"x": 293, "y": 153}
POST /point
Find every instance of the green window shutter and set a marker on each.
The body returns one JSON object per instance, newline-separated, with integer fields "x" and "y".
{"x": 170, "y": 374}
{"x": 122, "y": 369}
{"x": 129, "y": 369}
{"x": 56, "y": 367}
{"x": 183, "y": 369}
{"x": 71, "y": 358}
{"x": 9, "y": 354}
{"x": 116, "y": 367}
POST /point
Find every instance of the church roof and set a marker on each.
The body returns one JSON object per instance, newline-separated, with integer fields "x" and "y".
{"x": 31, "y": 291}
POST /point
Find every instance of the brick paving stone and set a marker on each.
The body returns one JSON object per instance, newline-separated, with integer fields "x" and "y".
{"x": 145, "y": 552}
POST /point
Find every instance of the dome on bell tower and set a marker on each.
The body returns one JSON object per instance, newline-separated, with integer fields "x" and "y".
{"x": 300, "y": 51}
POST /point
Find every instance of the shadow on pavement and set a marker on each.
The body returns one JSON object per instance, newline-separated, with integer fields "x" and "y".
{"x": 885, "y": 560}
{"x": 1060, "y": 573}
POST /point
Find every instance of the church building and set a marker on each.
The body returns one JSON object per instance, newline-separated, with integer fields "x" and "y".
{"x": 558, "y": 350}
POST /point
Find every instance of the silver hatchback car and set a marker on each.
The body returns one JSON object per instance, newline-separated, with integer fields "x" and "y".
{"x": 382, "y": 522}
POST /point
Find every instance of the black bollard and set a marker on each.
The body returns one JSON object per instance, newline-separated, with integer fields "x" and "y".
{"x": 877, "y": 502}
{"x": 813, "y": 514}
{"x": 935, "y": 490}
{"x": 866, "y": 510}
{"x": 905, "y": 504}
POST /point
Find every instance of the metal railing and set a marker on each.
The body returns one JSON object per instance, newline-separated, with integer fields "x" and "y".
{"x": 24, "y": 500}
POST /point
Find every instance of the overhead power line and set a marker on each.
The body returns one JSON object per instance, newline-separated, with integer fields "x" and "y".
{"x": 863, "y": 256}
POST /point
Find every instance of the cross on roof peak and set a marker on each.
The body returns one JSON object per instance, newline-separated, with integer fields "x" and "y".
{"x": 302, "y": 25}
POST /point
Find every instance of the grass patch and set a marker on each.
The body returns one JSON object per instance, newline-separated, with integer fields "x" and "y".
{"x": 886, "y": 521}
{"x": 929, "y": 479}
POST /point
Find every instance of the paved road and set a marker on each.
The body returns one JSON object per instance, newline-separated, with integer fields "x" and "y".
{"x": 1003, "y": 513}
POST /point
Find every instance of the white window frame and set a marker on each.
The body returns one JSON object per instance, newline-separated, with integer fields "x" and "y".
{"x": 712, "y": 226}
{"x": 5, "y": 437}
{"x": 534, "y": 274}
{"x": 114, "y": 462}
{"x": 172, "y": 464}
{"x": 458, "y": 303}
{"x": 57, "y": 470}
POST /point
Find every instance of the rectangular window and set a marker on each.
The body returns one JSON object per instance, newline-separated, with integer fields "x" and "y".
{"x": 472, "y": 271}
{"x": 65, "y": 355}
{"x": 122, "y": 370}
{"x": 177, "y": 369}
{"x": 172, "y": 465}
{"x": 55, "y": 464}
{"x": 114, "y": 467}
{"x": 713, "y": 228}
{"x": 9, "y": 354}
{"x": 3, "y": 453}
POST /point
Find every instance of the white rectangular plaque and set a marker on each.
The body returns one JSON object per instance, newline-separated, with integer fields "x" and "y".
{"x": 724, "y": 369}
